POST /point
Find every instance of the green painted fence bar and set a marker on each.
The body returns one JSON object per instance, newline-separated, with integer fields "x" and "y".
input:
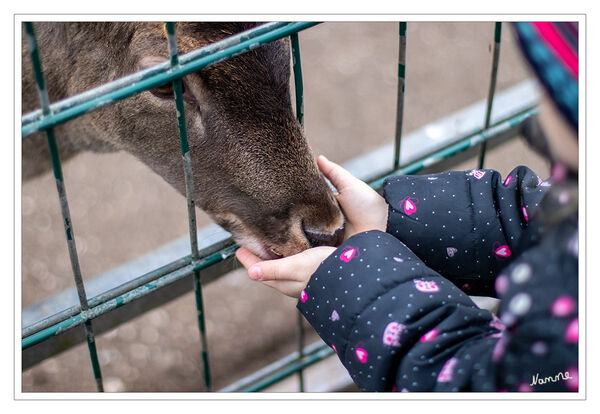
{"x": 299, "y": 92}
{"x": 282, "y": 369}
{"x": 298, "y": 84}
{"x": 106, "y": 296}
{"x": 460, "y": 146}
{"x": 107, "y": 303}
{"x": 101, "y": 90}
{"x": 401, "y": 85}
{"x": 62, "y": 196}
{"x": 189, "y": 191}
{"x": 161, "y": 78}
{"x": 493, "y": 77}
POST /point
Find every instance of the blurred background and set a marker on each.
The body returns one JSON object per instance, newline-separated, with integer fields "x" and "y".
{"x": 120, "y": 209}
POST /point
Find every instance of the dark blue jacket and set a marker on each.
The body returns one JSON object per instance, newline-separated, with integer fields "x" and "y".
{"x": 395, "y": 307}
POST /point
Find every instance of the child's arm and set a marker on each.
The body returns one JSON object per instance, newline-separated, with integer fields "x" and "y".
{"x": 465, "y": 225}
{"x": 396, "y": 324}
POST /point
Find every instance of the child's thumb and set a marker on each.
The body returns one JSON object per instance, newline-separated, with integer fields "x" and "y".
{"x": 339, "y": 177}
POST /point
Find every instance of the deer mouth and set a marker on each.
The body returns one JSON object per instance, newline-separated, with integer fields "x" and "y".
{"x": 273, "y": 254}
{"x": 245, "y": 238}
{"x": 257, "y": 247}
{"x": 298, "y": 237}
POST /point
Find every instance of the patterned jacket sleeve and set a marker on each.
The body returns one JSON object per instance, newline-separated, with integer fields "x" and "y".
{"x": 465, "y": 225}
{"x": 397, "y": 325}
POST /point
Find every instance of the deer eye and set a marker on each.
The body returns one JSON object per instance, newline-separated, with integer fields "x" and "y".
{"x": 165, "y": 91}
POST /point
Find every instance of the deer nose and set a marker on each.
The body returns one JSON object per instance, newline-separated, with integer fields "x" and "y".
{"x": 319, "y": 238}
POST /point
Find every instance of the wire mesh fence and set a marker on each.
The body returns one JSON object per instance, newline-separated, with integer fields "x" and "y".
{"x": 198, "y": 262}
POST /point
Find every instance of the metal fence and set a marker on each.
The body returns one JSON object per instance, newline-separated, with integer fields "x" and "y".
{"x": 54, "y": 333}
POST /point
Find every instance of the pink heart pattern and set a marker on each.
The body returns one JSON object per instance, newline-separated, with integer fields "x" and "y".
{"x": 409, "y": 206}
{"x": 507, "y": 181}
{"x": 502, "y": 251}
{"x": 303, "y": 296}
{"x": 451, "y": 251}
{"x": 334, "y": 316}
{"x": 361, "y": 355}
{"x": 348, "y": 255}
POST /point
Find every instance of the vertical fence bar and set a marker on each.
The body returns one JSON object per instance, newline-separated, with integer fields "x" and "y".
{"x": 298, "y": 84}
{"x": 299, "y": 88}
{"x": 189, "y": 190}
{"x": 493, "y": 77}
{"x": 400, "y": 100}
{"x": 64, "y": 205}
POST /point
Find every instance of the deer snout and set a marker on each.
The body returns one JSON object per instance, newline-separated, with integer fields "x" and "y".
{"x": 318, "y": 237}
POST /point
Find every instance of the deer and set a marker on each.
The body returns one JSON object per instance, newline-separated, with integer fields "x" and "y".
{"x": 253, "y": 170}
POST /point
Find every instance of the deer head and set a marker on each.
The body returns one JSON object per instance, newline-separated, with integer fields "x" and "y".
{"x": 253, "y": 170}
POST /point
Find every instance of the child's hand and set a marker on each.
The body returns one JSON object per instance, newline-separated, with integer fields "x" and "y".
{"x": 363, "y": 208}
{"x": 288, "y": 275}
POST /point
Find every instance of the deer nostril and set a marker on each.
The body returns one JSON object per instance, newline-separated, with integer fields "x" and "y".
{"x": 319, "y": 238}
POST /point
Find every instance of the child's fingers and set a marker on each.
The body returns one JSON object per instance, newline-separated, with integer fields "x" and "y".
{"x": 249, "y": 260}
{"x": 259, "y": 269}
{"x": 339, "y": 177}
{"x": 246, "y": 257}
{"x": 275, "y": 270}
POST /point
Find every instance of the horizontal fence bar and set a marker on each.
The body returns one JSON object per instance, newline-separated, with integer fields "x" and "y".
{"x": 460, "y": 146}
{"x": 106, "y": 322}
{"x": 446, "y": 131}
{"x": 84, "y": 97}
{"x": 168, "y": 258}
{"x": 127, "y": 297}
{"x": 161, "y": 78}
{"x": 281, "y": 369}
{"x": 108, "y": 295}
